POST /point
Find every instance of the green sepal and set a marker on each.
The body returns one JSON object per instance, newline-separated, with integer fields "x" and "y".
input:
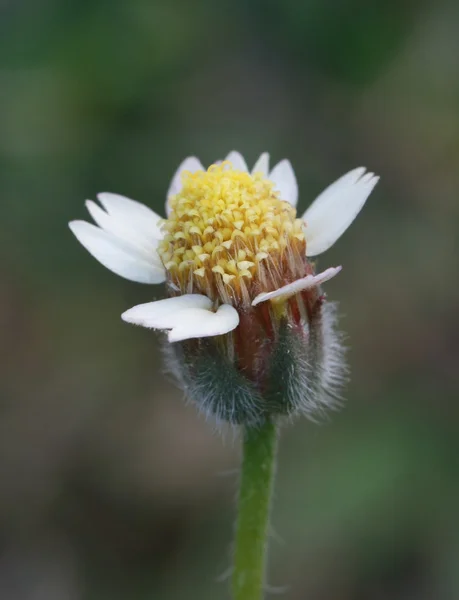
{"x": 211, "y": 381}
{"x": 293, "y": 374}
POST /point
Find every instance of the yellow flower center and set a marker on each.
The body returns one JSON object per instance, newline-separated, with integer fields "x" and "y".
{"x": 229, "y": 235}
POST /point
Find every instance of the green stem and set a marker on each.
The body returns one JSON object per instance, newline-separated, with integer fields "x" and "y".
{"x": 259, "y": 452}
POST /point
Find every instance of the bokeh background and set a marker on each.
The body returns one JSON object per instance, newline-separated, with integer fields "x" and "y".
{"x": 110, "y": 486}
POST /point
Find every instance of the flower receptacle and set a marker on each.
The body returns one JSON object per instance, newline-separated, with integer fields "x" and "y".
{"x": 279, "y": 362}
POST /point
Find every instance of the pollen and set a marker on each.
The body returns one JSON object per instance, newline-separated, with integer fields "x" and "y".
{"x": 230, "y": 235}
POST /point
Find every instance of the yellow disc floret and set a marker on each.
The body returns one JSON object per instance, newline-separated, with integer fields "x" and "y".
{"x": 229, "y": 235}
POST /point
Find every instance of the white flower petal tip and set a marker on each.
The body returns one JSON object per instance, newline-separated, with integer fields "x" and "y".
{"x": 262, "y": 165}
{"x": 188, "y": 316}
{"x": 130, "y": 211}
{"x": 283, "y": 176}
{"x": 127, "y": 240}
{"x": 199, "y": 323}
{"x": 335, "y": 208}
{"x": 116, "y": 255}
{"x": 237, "y": 160}
{"x": 300, "y": 285}
{"x": 127, "y": 219}
{"x": 191, "y": 164}
{"x": 162, "y": 313}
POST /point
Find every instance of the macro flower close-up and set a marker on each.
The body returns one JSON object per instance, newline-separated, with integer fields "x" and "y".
{"x": 251, "y": 337}
{"x": 228, "y": 364}
{"x": 251, "y": 333}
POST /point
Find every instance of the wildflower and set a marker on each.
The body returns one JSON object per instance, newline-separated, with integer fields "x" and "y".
{"x": 250, "y": 334}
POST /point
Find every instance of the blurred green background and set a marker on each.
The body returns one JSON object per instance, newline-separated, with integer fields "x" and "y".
{"x": 110, "y": 486}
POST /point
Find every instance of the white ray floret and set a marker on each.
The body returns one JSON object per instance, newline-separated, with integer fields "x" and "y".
{"x": 141, "y": 231}
{"x": 136, "y": 217}
{"x": 126, "y": 240}
{"x": 188, "y": 316}
{"x": 335, "y": 208}
{"x": 283, "y": 176}
{"x": 262, "y": 165}
{"x": 300, "y": 285}
{"x": 237, "y": 160}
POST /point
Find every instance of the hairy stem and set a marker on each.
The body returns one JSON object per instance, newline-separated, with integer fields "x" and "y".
{"x": 259, "y": 452}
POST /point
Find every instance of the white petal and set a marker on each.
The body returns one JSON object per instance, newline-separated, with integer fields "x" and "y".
{"x": 297, "y": 286}
{"x": 99, "y": 215}
{"x": 284, "y": 178}
{"x": 335, "y": 208}
{"x": 191, "y": 164}
{"x": 199, "y": 323}
{"x": 132, "y": 234}
{"x": 262, "y": 165}
{"x": 188, "y": 316}
{"x": 116, "y": 255}
{"x": 237, "y": 160}
{"x": 162, "y": 313}
{"x": 133, "y": 213}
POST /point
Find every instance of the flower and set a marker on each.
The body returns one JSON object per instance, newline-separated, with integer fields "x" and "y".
{"x": 250, "y": 332}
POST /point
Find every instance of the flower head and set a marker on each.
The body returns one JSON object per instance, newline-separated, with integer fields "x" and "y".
{"x": 230, "y": 236}
{"x": 249, "y": 330}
